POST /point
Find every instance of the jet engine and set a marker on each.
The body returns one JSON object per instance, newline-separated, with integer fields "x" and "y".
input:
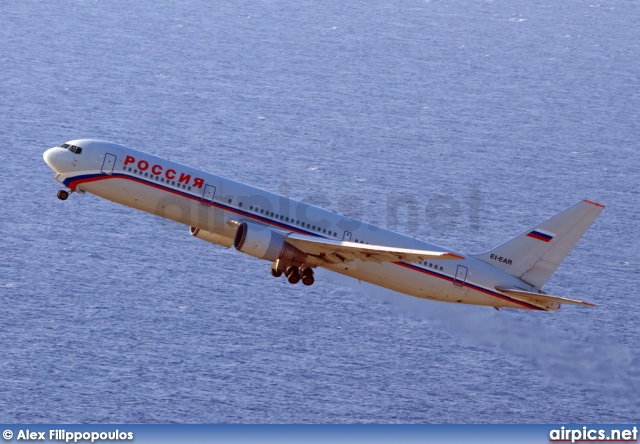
{"x": 261, "y": 242}
{"x": 214, "y": 238}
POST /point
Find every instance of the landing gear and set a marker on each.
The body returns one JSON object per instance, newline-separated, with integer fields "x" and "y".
{"x": 276, "y": 269}
{"x": 307, "y": 276}
{"x": 293, "y": 273}
{"x": 63, "y": 194}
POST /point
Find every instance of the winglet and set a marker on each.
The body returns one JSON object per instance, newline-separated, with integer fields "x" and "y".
{"x": 594, "y": 203}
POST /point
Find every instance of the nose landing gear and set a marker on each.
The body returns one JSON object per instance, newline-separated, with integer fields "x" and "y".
{"x": 63, "y": 194}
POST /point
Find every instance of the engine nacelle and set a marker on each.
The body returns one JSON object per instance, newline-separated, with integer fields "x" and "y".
{"x": 261, "y": 242}
{"x": 211, "y": 237}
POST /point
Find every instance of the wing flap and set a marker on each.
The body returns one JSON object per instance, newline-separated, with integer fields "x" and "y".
{"x": 538, "y": 298}
{"x": 349, "y": 251}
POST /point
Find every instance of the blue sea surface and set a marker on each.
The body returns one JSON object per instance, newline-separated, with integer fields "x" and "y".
{"x": 461, "y": 123}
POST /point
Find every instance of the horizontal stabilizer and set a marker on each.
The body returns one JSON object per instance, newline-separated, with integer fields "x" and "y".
{"x": 543, "y": 300}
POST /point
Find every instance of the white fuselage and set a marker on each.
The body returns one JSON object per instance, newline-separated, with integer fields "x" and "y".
{"x": 216, "y": 204}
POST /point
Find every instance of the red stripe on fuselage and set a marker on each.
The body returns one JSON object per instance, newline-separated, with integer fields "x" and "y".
{"x": 472, "y": 286}
{"x": 75, "y": 183}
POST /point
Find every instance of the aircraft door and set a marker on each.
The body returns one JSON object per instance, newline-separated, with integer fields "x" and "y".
{"x": 208, "y": 195}
{"x": 461, "y": 276}
{"x": 347, "y": 236}
{"x": 108, "y": 163}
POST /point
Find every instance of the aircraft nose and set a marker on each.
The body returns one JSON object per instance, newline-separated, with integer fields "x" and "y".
{"x": 50, "y": 157}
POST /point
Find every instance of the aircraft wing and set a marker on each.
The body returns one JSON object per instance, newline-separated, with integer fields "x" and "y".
{"x": 337, "y": 252}
{"x": 537, "y": 298}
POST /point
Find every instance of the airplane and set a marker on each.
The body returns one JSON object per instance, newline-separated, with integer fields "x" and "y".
{"x": 297, "y": 237}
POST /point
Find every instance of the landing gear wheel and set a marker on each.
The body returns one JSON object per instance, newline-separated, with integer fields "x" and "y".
{"x": 276, "y": 269}
{"x": 63, "y": 195}
{"x": 293, "y": 275}
{"x": 307, "y": 276}
{"x": 294, "y": 278}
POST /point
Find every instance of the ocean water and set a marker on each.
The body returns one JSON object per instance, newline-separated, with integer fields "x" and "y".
{"x": 476, "y": 119}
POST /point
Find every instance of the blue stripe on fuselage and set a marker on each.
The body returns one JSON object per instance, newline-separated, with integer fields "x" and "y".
{"x": 101, "y": 176}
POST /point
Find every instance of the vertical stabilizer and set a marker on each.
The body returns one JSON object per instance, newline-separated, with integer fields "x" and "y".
{"x": 534, "y": 255}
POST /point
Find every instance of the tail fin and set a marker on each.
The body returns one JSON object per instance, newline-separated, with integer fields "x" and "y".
{"x": 534, "y": 255}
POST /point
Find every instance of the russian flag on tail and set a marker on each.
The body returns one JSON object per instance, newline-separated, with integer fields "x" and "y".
{"x": 542, "y": 235}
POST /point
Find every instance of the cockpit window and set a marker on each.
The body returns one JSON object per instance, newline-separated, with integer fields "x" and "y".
{"x": 72, "y": 148}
